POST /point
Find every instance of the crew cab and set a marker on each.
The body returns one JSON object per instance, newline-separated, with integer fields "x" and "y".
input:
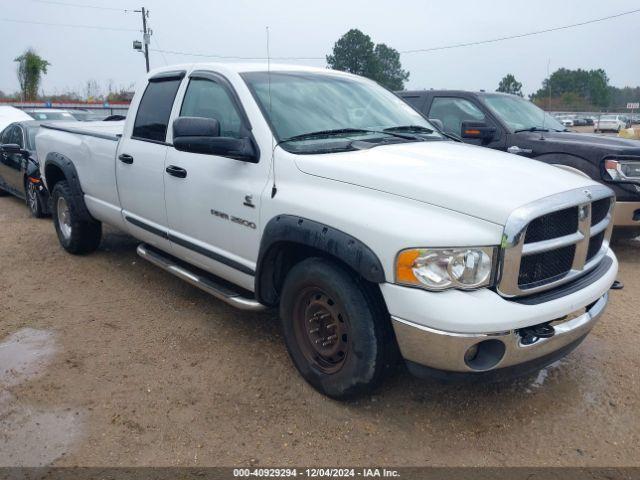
{"x": 324, "y": 195}
{"x": 513, "y": 124}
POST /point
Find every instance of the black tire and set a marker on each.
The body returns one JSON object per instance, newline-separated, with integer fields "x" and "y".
{"x": 315, "y": 288}
{"x": 76, "y": 236}
{"x": 33, "y": 199}
{"x": 3, "y": 193}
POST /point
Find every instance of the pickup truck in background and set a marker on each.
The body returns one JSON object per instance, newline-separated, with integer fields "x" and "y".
{"x": 515, "y": 125}
{"x": 324, "y": 195}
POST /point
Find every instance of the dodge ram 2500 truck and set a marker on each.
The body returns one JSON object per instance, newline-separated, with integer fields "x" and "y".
{"x": 325, "y": 195}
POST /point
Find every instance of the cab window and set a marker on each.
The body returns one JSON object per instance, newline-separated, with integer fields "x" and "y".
{"x": 209, "y": 99}
{"x": 154, "y": 110}
{"x": 13, "y": 135}
{"x": 453, "y": 111}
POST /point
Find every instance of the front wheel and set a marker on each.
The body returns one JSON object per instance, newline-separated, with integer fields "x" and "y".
{"x": 336, "y": 329}
{"x": 75, "y": 235}
{"x": 34, "y": 202}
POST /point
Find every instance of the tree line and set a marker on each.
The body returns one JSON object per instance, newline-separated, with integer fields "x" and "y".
{"x": 355, "y": 52}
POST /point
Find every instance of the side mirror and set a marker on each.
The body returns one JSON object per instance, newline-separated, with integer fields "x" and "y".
{"x": 202, "y": 135}
{"x": 478, "y": 130}
{"x": 436, "y": 122}
{"x": 12, "y": 149}
{"x": 196, "y": 127}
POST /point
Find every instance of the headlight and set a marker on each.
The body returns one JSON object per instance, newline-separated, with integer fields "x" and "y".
{"x": 623, "y": 169}
{"x": 442, "y": 268}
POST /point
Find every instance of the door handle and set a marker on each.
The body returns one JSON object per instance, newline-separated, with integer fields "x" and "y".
{"x": 124, "y": 158}
{"x": 176, "y": 171}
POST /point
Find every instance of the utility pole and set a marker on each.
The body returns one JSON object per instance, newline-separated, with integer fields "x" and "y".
{"x": 146, "y": 39}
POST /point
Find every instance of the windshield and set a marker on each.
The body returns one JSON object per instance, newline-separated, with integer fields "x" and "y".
{"x": 52, "y": 116}
{"x": 520, "y": 114}
{"x": 344, "y": 108}
{"x": 609, "y": 117}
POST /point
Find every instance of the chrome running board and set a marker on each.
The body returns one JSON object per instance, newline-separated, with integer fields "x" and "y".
{"x": 204, "y": 283}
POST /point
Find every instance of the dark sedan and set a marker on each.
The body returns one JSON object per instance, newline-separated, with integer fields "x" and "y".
{"x": 19, "y": 168}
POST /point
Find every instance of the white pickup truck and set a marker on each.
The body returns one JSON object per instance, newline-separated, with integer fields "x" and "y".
{"x": 325, "y": 195}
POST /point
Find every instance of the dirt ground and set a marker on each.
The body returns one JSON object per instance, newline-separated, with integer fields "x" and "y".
{"x": 106, "y": 360}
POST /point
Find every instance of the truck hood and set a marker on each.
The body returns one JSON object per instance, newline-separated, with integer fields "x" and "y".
{"x": 476, "y": 181}
{"x": 601, "y": 143}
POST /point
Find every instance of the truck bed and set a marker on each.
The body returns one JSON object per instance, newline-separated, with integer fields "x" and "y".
{"x": 92, "y": 148}
{"x": 100, "y": 129}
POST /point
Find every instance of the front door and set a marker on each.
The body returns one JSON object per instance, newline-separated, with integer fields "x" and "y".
{"x": 452, "y": 111}
{"x": 11, "y": 165}
{"x": 213, "y": 202}
{"x": 140, "y": 164}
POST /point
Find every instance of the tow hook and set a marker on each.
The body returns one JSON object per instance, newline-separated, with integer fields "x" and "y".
{"x": 617, "y": 285}
{"x": 531, "y": 334}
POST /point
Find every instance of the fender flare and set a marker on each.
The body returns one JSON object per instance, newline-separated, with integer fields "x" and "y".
{"x": 288, "y": 229}
{"x": 71, "y": 176}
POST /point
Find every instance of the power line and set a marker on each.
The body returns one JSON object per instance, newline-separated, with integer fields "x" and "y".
{"x": 155, "y": 39}
{"x": 419, "y": 50}
{"x": 81, "y": 5}
{"x": 230, "y": 57}
{"x": 521, "y": 35}
{"x": 70, "y": 25}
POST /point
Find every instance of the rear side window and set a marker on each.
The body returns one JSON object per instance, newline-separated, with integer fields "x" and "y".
{"x": 154, "y": 110}
{"x": 416, "y": 101}
{"x": 205, "y": 98}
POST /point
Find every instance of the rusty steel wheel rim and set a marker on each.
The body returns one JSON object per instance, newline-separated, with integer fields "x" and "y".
{"x": 322, "y": 330}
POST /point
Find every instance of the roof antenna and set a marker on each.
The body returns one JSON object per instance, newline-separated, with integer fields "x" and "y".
{"x": 544, "y": 113}
{"x": 274, "y": 189}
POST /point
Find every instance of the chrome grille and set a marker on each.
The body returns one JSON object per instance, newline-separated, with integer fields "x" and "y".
{"x": 542, "y": 267}
{"x": 555, "y": 240}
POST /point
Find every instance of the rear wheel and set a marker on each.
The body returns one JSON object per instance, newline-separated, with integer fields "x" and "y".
{"x": 336, "y": 330}
{"x": 75, "y": 235}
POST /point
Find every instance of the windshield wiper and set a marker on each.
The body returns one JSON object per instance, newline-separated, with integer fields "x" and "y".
{"x": 531, "y": 129}
{"x": 409, "y": 128}
{"x": 344, "y": 131}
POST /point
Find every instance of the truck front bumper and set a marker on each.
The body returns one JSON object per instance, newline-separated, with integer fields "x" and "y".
{"x": 503, "y": 338}
{"x": 449, "y": 351}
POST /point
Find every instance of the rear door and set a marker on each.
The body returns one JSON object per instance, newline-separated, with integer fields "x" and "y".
{"x": 140, "y": 161}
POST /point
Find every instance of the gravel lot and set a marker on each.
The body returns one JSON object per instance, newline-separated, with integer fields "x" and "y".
{"x": 107, "y": 360}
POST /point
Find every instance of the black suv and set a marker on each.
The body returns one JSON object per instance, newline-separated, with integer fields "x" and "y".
{"x": 515, "y": 125}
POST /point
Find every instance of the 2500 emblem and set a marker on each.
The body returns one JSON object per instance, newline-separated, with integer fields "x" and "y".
{"x": 238, "y": 220}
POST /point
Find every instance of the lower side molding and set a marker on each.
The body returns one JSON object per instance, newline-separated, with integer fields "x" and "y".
{"x": 205, "y": 283}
